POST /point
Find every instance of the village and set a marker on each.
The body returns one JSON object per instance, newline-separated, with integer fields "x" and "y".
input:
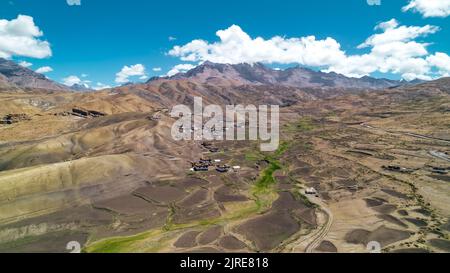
{"x": 204, "y": 165}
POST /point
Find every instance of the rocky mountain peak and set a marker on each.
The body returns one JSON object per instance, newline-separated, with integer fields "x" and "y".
{"x": 15, "y": 75}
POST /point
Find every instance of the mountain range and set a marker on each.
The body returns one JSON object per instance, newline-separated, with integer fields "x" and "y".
{"x": 252, "y": 83}
{"x": 12, "y": 75}
{"x": 259, "y": 74}
{"x": 81, "y": 88}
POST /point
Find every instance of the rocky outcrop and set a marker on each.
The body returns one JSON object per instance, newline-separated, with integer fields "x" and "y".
{"x": 87, "y": 113}
{"x": 83, "y": 113}
{"x": 14, "y": 118}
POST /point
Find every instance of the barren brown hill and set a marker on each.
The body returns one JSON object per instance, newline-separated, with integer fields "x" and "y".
{"x": 171, "y": 92}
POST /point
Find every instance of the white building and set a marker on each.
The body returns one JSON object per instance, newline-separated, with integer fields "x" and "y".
{"x": 311, "y": 191}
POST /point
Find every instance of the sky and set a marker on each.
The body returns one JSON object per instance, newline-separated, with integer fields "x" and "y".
{"x": 103, "y": 43}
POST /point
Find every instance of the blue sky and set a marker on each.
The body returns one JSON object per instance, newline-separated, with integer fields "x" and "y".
{"x": 98, "y": 38}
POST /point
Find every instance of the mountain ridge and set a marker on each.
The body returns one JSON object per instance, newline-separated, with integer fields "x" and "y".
{"x": 260, "y": 74}
{"x": 13, "y": 75}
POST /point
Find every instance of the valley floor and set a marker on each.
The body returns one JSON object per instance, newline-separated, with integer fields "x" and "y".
{"x": 119, "y": 183}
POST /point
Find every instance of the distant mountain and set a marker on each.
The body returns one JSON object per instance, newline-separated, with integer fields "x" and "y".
{"x": 81, "y": 88}
{"x": 256, "y": 84}
{"x": 129, "y": 84}
{"x": 259, "y": 74}
{"x": 4, "y": 81}
{"x": 14, "y": 75}
{"x": 435, "y": 87}
{"x": 413, "y": 82}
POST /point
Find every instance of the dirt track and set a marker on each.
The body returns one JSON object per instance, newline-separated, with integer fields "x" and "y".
{"x": 324, "y": 230}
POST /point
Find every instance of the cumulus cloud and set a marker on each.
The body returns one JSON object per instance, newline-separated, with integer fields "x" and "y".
{"x": 441, "y": 62}
{"x": 100, "y": 86}
{"x": 236, "y": 46}
{"x": 25, "y": 64}
{"x": 393, "y": 49}
{"x": 44, "y": 69}
{"x": 429, "y": 8}
{"x": 392, "y": 32}
{"x": 74, "y": 2}
{"x": 180, "y": 69}
{"x": 20, "y": 37}
{"x": 72, "y": 80}
{"x": 137, "y": 70}
{"x": 157, "y": 69}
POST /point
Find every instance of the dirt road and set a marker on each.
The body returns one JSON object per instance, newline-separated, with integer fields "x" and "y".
{"x": 324, "y": 230}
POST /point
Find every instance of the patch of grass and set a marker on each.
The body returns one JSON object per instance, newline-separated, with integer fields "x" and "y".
{"x": 169, "y": 221}
{"x": 118, "y": 244}
{"x": 19, "y": 242}
{"x": 332, "y": 114}
{"x": 305, "y": 124}
{"x": 243, "y": 212}
{"x": 264, "y": 191}
{"x": 267, "y": 179}
{"x": 284, "y": 146}
{"x": 129, "y": 244}
{"x": 253, "y": 156}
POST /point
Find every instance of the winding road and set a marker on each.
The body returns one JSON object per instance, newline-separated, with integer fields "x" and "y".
{"x": 323, "y": 232}
{"x": 405, "y": 133}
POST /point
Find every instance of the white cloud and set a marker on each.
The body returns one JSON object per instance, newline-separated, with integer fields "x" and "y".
{"x": 101, "y": 86}
{"x": 74, "y": 2}
{"x": 236, "y": 46}
{"x": 387, "y": 25}
{"x": 441, "y": 61}
{"x": 25, "y": 64}
{"x": 180, "y": 69}
{"x": 171, "y": 38}
{"x": 429, "y": 8}
{"x": 19, "y": 37}
{"x": 71, "y": 80}
{"x": 44, "y": 69}
{"x": 392, "y": 32}
{"x": 394, "y": 49}
{"x": 157, "y": 69}
{"x": 84, "y": 75}
{"x": 137, "y": 70}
